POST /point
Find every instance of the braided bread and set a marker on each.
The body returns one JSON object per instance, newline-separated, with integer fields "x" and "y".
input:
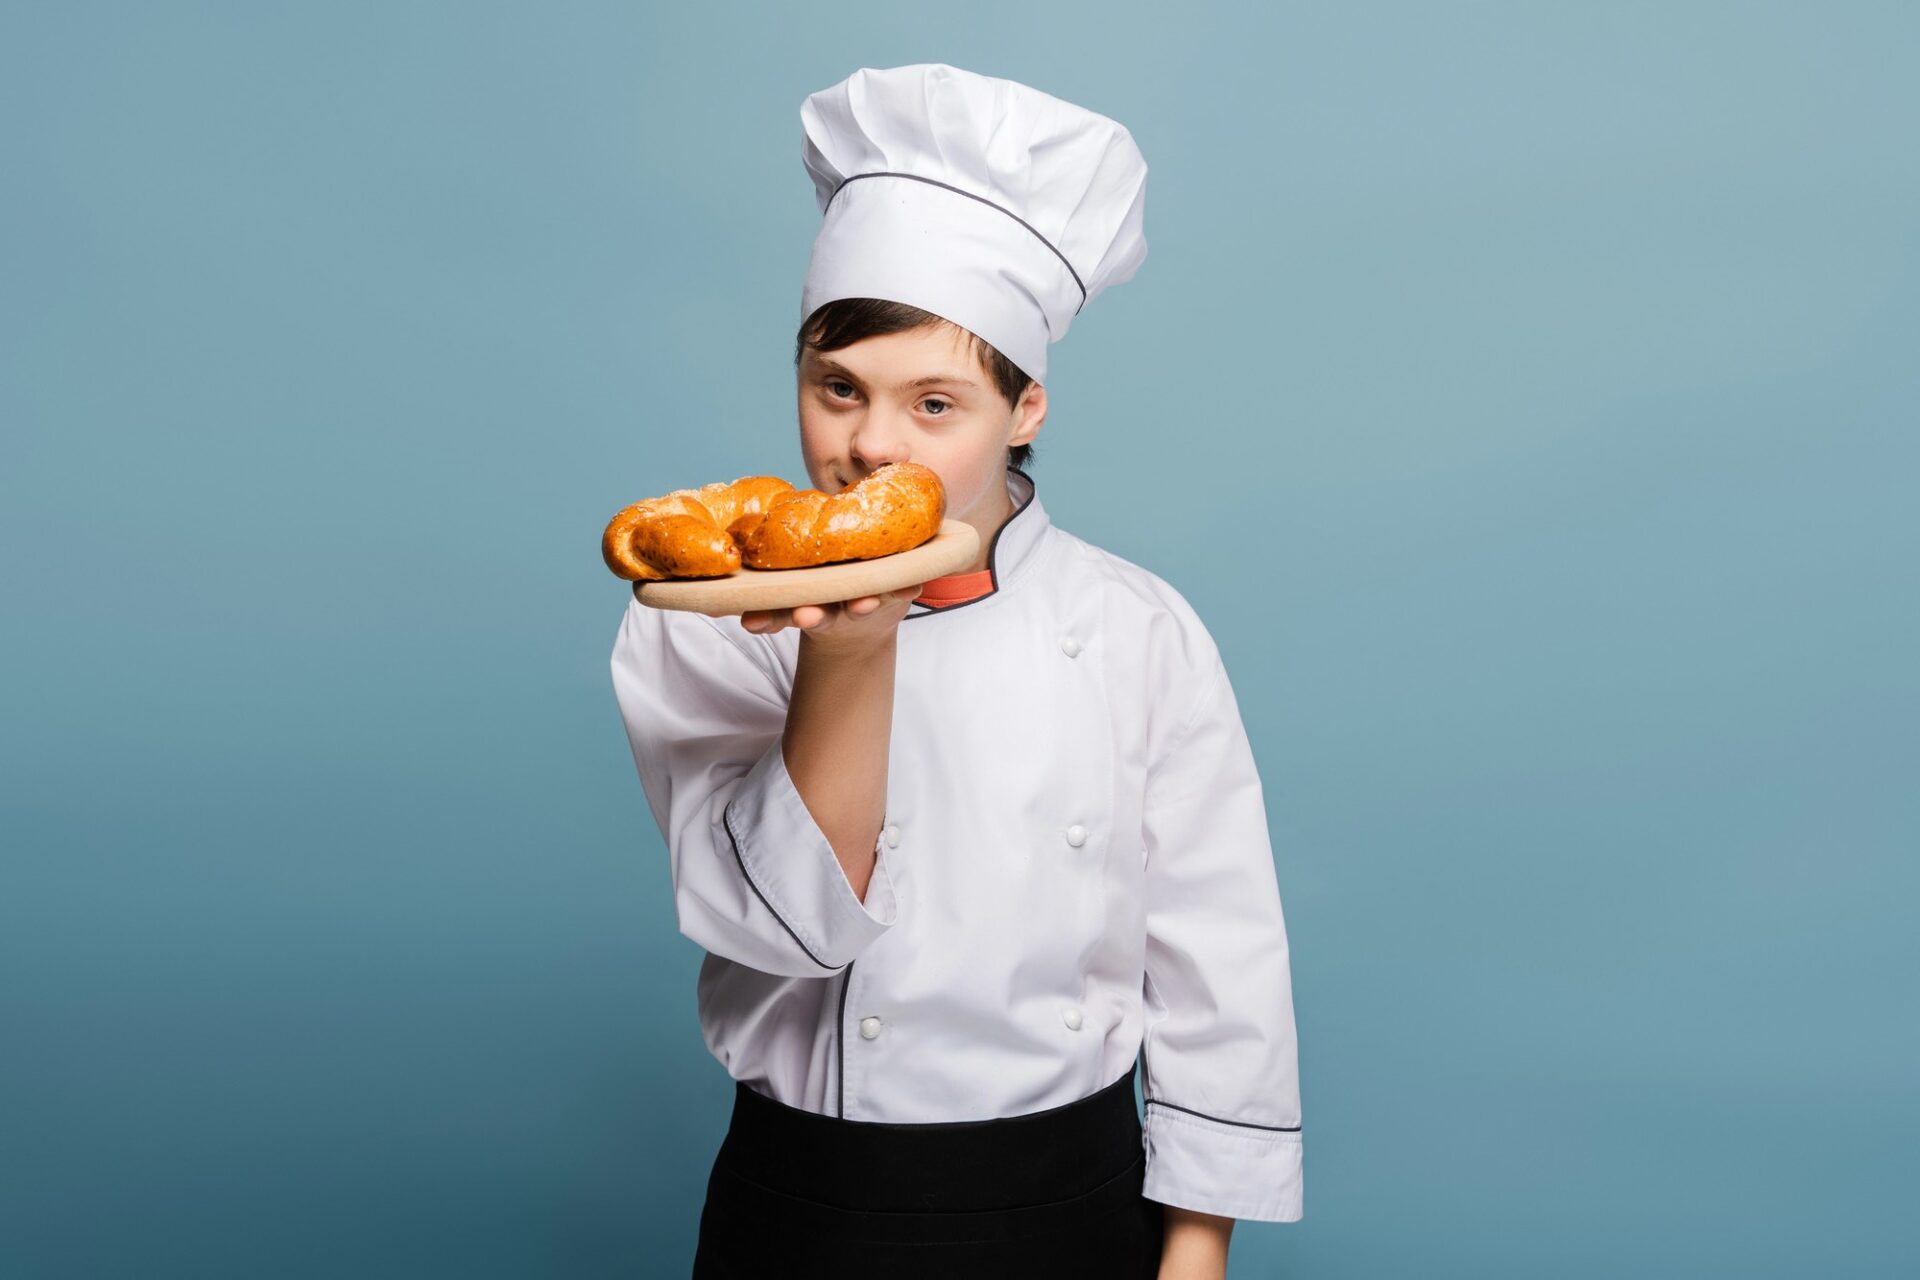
{"x": 765, "y": 523}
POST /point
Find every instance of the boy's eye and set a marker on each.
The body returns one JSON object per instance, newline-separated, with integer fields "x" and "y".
{"x": 835, "y": 387}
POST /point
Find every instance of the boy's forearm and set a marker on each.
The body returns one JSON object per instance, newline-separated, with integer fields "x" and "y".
{"x": 1196, "y": 1245}
{"x": 839, "y": 727}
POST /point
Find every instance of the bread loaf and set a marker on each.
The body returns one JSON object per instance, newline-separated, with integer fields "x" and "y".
{"x": 765, "y": 523}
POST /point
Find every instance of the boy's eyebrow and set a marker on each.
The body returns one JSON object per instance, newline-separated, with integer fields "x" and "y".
{"x": 952, "y": 379}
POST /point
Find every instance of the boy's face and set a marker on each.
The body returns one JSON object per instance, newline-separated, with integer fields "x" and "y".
{"x": 860, "y": 409}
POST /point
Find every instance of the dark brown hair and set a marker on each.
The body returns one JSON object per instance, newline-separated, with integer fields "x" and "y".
{"x": 842, "y": 323}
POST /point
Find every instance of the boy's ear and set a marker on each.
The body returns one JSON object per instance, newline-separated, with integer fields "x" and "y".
{"x": 1029, "y": 414}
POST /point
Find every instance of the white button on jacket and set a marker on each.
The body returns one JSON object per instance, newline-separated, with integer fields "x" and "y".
{"x": 1155, "y": 925}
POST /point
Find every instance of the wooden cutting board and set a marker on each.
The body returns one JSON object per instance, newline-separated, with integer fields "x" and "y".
{"x": 948, "y": 551}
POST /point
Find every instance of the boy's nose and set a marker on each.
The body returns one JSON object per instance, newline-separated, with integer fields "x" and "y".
{"x": 874, "y": 449}
{"x": 870, "y": 463}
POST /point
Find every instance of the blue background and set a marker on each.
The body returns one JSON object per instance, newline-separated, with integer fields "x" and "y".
{"x": 1548, "y": 369}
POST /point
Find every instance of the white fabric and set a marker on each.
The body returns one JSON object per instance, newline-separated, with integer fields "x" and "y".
{"x": 1075, "y": 177}
{"x": 1082, "y": 700}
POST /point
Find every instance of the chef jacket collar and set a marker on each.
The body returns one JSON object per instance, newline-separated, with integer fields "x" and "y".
{"x": 1013, "y": 548}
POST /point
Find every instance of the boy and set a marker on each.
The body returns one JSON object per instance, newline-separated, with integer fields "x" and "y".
{"x": 960, "y": 853}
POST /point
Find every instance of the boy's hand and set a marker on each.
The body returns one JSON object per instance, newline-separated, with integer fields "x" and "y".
{"x": 849, "y": 623}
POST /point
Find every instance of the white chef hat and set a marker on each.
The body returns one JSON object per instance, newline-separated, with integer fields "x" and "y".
{"x": 990, "y": 204}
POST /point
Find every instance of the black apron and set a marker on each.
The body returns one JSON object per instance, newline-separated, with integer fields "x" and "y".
{"x": 1052, "y": 1194}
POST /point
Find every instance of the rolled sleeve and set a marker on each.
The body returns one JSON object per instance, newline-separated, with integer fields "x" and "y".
{"x": 1217, "y": 1167}
{"x": 755, "y": 879}
{"x": 788, "y": 859}
{"x": 1222, "y": 1125}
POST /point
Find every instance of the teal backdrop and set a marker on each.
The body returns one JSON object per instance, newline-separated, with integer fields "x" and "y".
{"x": 1524, "y": 394}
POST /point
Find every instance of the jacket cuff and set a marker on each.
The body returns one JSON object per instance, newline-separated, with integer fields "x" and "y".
{"x": 789, "y": 862}
{"x": 1237, "y": 1171}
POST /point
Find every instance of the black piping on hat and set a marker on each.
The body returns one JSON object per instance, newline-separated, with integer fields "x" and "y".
{"x": 983, "y": 200}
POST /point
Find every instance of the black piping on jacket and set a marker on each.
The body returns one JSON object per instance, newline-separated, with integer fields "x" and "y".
{"x": 840, "y": 1040}
{"x": 993, "y": 549}
{"x": 1146, "y": 1077}
{"x": 726, "y": 816}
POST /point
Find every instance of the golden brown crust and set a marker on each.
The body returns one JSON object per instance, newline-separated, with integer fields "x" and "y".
{"x": 898, "y": 507}
{"x": 683, "y": 534}
{"x": 765, "y": 523}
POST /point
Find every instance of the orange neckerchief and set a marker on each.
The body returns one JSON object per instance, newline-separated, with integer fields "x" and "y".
{"x": 955, "y": 588}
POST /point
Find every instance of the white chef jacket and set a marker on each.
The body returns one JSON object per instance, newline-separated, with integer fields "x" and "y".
{"x": 1074, "y": 869}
